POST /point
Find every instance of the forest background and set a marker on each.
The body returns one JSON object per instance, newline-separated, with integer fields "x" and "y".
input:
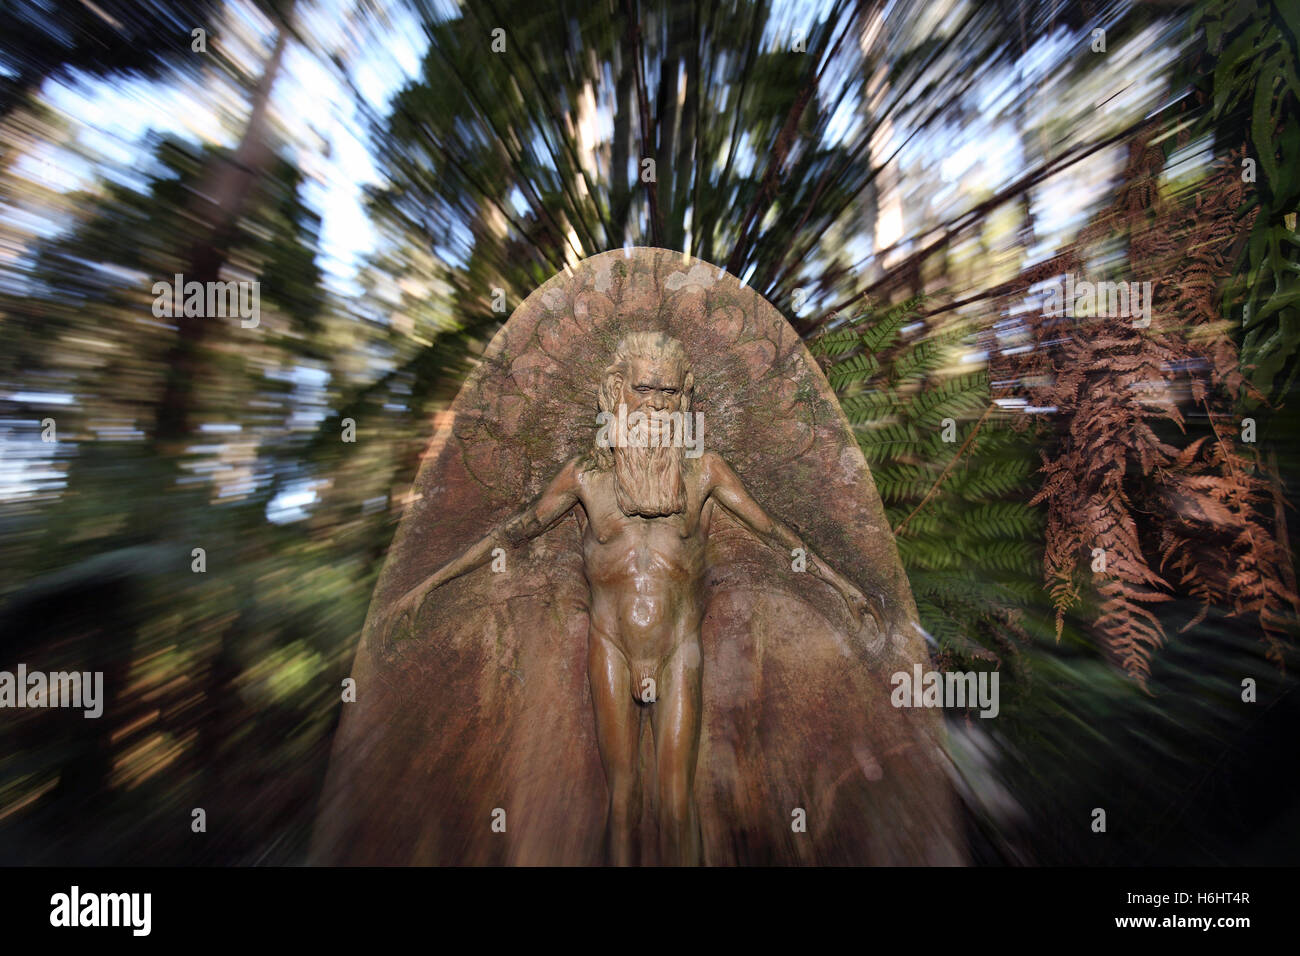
{"x": 1097, "y": 506}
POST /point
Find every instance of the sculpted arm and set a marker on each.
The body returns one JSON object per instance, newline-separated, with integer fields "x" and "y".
{"x": 549, "y": 507}
{"x": 729, "y": 491}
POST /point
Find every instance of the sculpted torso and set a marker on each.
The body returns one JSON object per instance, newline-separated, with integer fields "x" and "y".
{"x": 646, "y": 574}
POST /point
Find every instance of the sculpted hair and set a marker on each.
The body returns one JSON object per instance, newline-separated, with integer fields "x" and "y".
{"x": 640, "y": 345}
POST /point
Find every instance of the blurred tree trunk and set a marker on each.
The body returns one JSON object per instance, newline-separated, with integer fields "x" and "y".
{"x": 218, "y": 203}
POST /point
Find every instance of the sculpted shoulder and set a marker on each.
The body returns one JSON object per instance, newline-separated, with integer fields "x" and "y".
{"x": 714, "y": 470}
{"x": 579, "y": 473}
{"x": 573, "y": 473}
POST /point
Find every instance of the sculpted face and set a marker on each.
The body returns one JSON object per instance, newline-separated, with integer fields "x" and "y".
{"x": 653, "y": 383}
{"x": 652, "y": 386}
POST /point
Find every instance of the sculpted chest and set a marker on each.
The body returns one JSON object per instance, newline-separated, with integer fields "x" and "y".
{"x": 604, "y": 523}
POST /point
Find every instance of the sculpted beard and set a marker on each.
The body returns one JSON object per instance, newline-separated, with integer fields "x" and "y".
{"x": 648, "y": 481}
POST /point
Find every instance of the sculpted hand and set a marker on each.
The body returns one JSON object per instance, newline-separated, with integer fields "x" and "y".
{"x": 407, "y": 607}
{"x": 860, "y": 604}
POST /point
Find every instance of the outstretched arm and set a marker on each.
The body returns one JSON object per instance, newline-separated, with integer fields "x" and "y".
{"x": 549, "y": 507}
{"x": 729, "y": 491}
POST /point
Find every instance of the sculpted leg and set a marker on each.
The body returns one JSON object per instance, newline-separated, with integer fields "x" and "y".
{"x": 618, "y": 731}
{"x": 676, "y": 723}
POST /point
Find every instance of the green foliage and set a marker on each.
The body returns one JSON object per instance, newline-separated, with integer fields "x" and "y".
{"x": 967, "y": 537}
{"x": 1255, "y": 98}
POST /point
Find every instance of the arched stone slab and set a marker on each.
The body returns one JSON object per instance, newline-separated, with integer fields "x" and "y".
{"x": 485, "y": 705}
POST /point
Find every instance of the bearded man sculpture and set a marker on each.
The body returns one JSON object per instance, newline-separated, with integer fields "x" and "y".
{"x": 645, "y": 515}
{"x": 499, "y": 713}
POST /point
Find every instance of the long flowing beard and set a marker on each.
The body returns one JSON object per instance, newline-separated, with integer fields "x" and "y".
{"x": 648, "y": 481}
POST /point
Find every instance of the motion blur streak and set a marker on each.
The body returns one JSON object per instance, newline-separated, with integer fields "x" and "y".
{"x": 198, "y": 507}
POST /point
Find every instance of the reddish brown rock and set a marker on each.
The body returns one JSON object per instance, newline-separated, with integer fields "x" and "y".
{"x": 484, "y": 704}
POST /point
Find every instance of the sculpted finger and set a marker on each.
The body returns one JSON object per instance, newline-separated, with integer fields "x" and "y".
{"x": 877, "y": 608}
{"x": 856, "y": 607}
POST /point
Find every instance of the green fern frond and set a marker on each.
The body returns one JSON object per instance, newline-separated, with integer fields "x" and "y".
{"x": 971, "y": 544}
{"x": 856, "y": 368}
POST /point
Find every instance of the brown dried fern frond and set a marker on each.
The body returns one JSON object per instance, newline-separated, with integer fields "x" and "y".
{"x": 1207, "y": 531}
